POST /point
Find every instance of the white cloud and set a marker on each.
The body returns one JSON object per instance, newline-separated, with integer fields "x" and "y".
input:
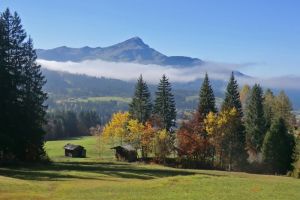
{"x": 130, "y": 71}
{"x": 280, "y": 82}
{"x": 152, "y": 73}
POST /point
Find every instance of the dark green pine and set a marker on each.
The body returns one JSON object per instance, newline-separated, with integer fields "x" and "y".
{"x": 164, "y": 105}
{"x": 207, "y": 101}
{"x": 140, "y": 108}
{"x": 232, "y": 96}
{"x": 255, "y": 122}
{"x": 278, "y": 148}
{"x": 238, "y": 137}
{"x": 22, "y": 98}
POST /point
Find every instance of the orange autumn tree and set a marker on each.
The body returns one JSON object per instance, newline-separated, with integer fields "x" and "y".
{"x": 147, "y": 140}
{"x": 193, "y": 141}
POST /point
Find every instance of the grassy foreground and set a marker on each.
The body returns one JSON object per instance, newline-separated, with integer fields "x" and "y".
{"x": 102, "y": 178}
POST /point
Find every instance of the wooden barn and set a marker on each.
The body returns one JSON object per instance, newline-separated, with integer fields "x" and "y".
{"x": 77, "y": 151}
{"x": 125, "y": 153}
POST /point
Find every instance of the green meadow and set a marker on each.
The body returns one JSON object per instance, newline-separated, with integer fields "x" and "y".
{"x": 99, "y": 176}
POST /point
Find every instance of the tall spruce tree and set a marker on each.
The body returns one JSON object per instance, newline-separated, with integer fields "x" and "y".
{"x": 237, "y": 138}
{"x": 164, "y": 104}
{"x": 141, "y": 106}
{"x": 6, "y": 90}
{"x": 207, "y": 101}
{"x": 22, "y": 99}
{"x": 232, "y": 96}
{"x": 255, "y": 122}
{"x": 278, "y": 147}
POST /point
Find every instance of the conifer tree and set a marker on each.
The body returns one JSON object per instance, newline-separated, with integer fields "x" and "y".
{"x": 6, "y": 89}
{"x": 164, "y": 105}
{"x": 22, "y": 99}
{"x": 255, "y": 123}
{"x": 232, "y": 96}
{"x": 278, "y": 147}
{"x": 232, "y": 100}
{"x": 140, "y": 107}
{"x": 207, "y": 101}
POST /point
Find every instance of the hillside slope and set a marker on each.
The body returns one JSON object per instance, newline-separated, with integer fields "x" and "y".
{"x": 102, "y": 177}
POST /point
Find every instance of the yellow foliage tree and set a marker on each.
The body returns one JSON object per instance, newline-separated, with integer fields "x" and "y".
{"x": 136, "y": 131}
{"x": 122, "y": 129}
{"x": 116, "y": 130}
{"x": 221, "y": 130}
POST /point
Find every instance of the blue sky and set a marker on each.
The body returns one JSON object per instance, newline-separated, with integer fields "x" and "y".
{"x": 264, "y": 33}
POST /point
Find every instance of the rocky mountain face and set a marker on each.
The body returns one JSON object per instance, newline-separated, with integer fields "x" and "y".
{"x": 132, "y": 50}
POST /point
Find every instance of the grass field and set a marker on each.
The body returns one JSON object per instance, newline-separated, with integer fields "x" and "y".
{"x": 99, "y": 177}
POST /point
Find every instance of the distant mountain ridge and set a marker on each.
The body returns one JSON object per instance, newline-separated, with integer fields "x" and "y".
{"x": 132, "y": 50}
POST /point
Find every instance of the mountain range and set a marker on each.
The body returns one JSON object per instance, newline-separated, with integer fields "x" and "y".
{"x": 133, "y": 51}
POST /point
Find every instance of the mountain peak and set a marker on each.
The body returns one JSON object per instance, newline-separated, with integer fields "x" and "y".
{"x": 135, "y": 41}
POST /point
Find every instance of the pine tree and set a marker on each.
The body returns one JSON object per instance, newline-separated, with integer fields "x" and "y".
{"x": 12, "y": 39}
{"x": 206, "y": 98}
{"x": 232, "y": 96}
{"x": 141, "y": 106}
{"x": 255, "y": 120}
{"x": 6, "y": 90}
{"x": 22, "y": 99}
{"x": 238, "y": 139}
{"x": 164, "y": 105}
{"x": 33, "y": 109}
{"x": 278, "y": 147}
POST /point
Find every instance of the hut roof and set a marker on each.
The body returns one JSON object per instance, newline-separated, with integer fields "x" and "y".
{"x": 127, "y": 147}
{"x": 72, "y": 146}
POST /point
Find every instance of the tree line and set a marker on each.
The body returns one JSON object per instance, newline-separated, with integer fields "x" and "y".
{"x": 253, "y": 130}
{"x": 67, "y": 123}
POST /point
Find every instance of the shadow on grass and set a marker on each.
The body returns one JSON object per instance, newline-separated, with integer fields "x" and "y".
{"x": 76, "y": 170}
{"x": 66, "y": 138}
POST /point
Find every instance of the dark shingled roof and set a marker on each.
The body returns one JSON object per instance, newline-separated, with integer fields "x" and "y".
{"x": 72, "y": 146}
{"x": 127, "y": 147}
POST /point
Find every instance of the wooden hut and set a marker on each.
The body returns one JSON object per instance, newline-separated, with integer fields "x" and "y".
{"x": 72, "y": 150}
{"x": 125, "y": 153}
